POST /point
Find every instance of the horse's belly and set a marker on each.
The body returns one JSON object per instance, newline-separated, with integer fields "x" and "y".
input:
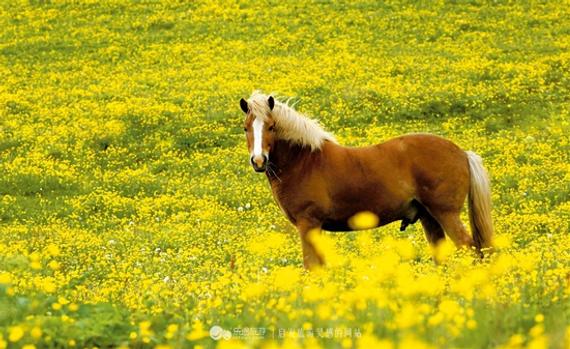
{"x": 342, "y": 224}
{"x": 336, "y": 225}
{"x": 339, "y": 215}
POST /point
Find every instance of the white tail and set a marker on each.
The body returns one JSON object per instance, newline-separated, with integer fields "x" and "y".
{"x": 480, "y": 203}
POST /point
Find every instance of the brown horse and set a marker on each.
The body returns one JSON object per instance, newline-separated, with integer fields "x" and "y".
{"x": 318, "y": 183}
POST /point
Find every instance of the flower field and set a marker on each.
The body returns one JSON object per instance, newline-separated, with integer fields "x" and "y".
{"x": 131, "y": 218}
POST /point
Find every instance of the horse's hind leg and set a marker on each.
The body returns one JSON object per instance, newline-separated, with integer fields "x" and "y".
{"x": 433, "y": 230}
{"x": 454, "y": 228}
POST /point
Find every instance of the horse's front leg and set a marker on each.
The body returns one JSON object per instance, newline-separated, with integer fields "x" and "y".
{"x": 311, "y": 257}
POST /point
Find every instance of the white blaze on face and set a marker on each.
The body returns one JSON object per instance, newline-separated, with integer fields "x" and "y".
{"x": 257, "y": 138}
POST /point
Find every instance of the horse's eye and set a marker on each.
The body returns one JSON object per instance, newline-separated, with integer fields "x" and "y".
{"x": 245, "y": 129}
{"x": 272, "y": 128}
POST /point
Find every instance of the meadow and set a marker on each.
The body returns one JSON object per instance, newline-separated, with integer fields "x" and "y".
{"x": 130, "y": 217}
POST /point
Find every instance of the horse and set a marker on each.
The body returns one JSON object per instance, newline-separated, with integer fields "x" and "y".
{"x": 320, "y": 184}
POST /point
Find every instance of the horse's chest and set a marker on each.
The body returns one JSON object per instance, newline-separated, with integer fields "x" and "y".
{"x": 294, "y": 198}
{"x": 283, "y": 199}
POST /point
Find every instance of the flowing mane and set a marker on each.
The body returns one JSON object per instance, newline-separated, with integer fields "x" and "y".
{"x": 290, "y": 124}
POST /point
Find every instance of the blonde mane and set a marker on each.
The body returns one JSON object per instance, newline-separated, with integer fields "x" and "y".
{"x": 290, "y": 124}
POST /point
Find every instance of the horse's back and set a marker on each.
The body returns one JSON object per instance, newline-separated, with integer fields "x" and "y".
{"x": 421, "y": 141}
{"x": 421, "y": 166}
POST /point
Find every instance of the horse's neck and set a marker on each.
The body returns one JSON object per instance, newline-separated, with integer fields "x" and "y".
{"x": 288, "y": 158}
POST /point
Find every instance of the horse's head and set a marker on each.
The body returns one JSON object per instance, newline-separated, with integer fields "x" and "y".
{"x": 259, "y": 130}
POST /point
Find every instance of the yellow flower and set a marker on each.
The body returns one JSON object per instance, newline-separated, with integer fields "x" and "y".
{"x": 537, "y": 330}
{"x": 363, "y": 220}
{"x": 35, "y": 265}
{"x": 449, "y": 308}
{"x": 15, "y": 333}
{"x": 36, "y": 332}
{"x": 324, "y": 311}
{"x": 410, "y": 342}
{"x": 502, "y": 241}
{"x": 407, "y": 317}
{"x": 443, "y": 251}
{"x": 346, "y": 343}
{"x": 516, "y": 340}
{"x": 48, "y": 286}
{"x": 286, "y": 278}
{"x": 540, "y": 342}
{"x": 53, "y": 250}
{"x": 171, "y": 331}
{"x": 405, "y": 249}
{"x": 54, "y": 265}
{"x": 197, "y": 331}
{"x": 325, "y": 248}
{"x": 5, "y": 278}
{"x": 145, "y": 330}
{"x": 35, "y": 256}
{"x": 436, "y": 319}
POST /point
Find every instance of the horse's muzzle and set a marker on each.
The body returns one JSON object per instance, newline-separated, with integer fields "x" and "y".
{"x": 259, "y": 163}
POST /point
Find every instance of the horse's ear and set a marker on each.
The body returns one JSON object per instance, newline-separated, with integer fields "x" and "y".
{"x": 243, "y": 105}
{"x": 271, "y": 102}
